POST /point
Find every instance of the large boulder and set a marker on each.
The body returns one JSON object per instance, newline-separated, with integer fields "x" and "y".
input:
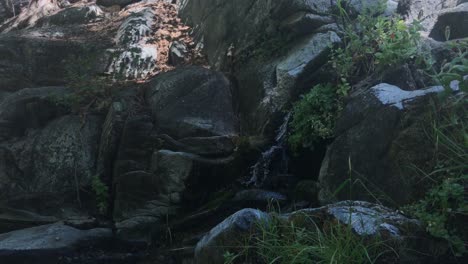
{"x": 424, "y": 11}
{"x": 274, "y": 49}
{"x": 193, "y": 102}
{"x": 47, "y": 157}
{"x": 379, "y": 138}
{"x": 228, "y": 234}
{"x": 29, "y": 60}
{"x": 452, "y": 24}
{"x": 59, "y": 243}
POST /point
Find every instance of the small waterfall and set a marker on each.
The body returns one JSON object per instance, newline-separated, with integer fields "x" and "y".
{"x": 274, "y": 161}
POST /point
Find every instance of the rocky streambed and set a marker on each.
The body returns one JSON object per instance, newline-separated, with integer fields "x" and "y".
{"x": 155, "y": 131}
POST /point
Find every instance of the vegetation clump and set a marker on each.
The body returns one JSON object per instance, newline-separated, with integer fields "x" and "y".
{"x": 283, "y": 242}
{"x": 444, "y": 209}
{"x": 371, "y": 43}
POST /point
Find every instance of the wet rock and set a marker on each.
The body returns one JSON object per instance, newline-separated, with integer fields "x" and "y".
{"x": 192, "y": 102}
{"x": 379, "y": 131}
{"x": 228, "y": 234}
{"x": 451, "y": 24}
{"x": 177, "y": 53}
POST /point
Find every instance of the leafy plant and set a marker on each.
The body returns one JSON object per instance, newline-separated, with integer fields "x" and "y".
{"x": 314, "y": 116}
{"x": 373, "y": 42}
{"x": 456, "y": 69}
{"x": 102, "y": 194}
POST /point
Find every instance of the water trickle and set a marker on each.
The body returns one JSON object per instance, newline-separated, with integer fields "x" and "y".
{"x": 274, "y": 161}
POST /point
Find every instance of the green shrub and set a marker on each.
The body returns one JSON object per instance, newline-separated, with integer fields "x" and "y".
{"x": 314, "y": 116}
{"x": 373, "y": 42}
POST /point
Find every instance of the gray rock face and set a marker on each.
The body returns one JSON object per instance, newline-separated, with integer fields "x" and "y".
{"x": 192, "y": 102}
{"x": 229, "y": 233}
{"x": 46, "y": 157}
{"x": 51, "y": 244}
{"x": 456, "y": 19}
{"x": 273, "y": 48}
{"x": 30, "y": 61}
{"x": 426, "y": 11}
{"x": 134, "y": 56}
{"x": 9, "y": 8}
{"x": 380, "y": 130}
{"x": 50, "y": 237}
{"x": 72, "y": 15}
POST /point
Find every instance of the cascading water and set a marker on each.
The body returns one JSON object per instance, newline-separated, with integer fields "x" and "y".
{"x": 274, "y": 161}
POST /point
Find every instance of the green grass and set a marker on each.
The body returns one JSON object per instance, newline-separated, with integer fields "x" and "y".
{"x": 444, "y": 208}
{"x": 282, "y": 242}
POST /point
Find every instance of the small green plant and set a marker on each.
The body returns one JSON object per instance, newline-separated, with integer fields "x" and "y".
{"x": 373, "y": 42}
{"x": 101, "y": 192}
{"x": 444, "y": 206}
{"x": 455, "y": 69}
{"x": 314, "y": 116}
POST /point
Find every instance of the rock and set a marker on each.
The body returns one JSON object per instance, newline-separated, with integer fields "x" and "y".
{"x": 30, "y": 61}
{"x": 307, "y": 190}
{"x": 228, "y": 234}
{"x": 176, "y": 179}
{"x": 120, "y": 3}
{"x": 72, "y": 15}
{"x": 424, "y": 11}
{"x": 260, "y": 199}
{"x": 456, "y": 20}
{"x": 366, "y": 219}
{"x": 10, "y": 8}
{"x": 271, "y": 65}
{"x": 49, "y": 243}
{"x": 379, "y": 131}
{"x": 177, "y": 53}
{"x": 192, "y": 102}
{"x": 30, "y": 109}
{"x": 46, "y": 157}
{"x": 12, "y": 219}
{"x": 305, "y": 58}
{"x": 135, "y": 57}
